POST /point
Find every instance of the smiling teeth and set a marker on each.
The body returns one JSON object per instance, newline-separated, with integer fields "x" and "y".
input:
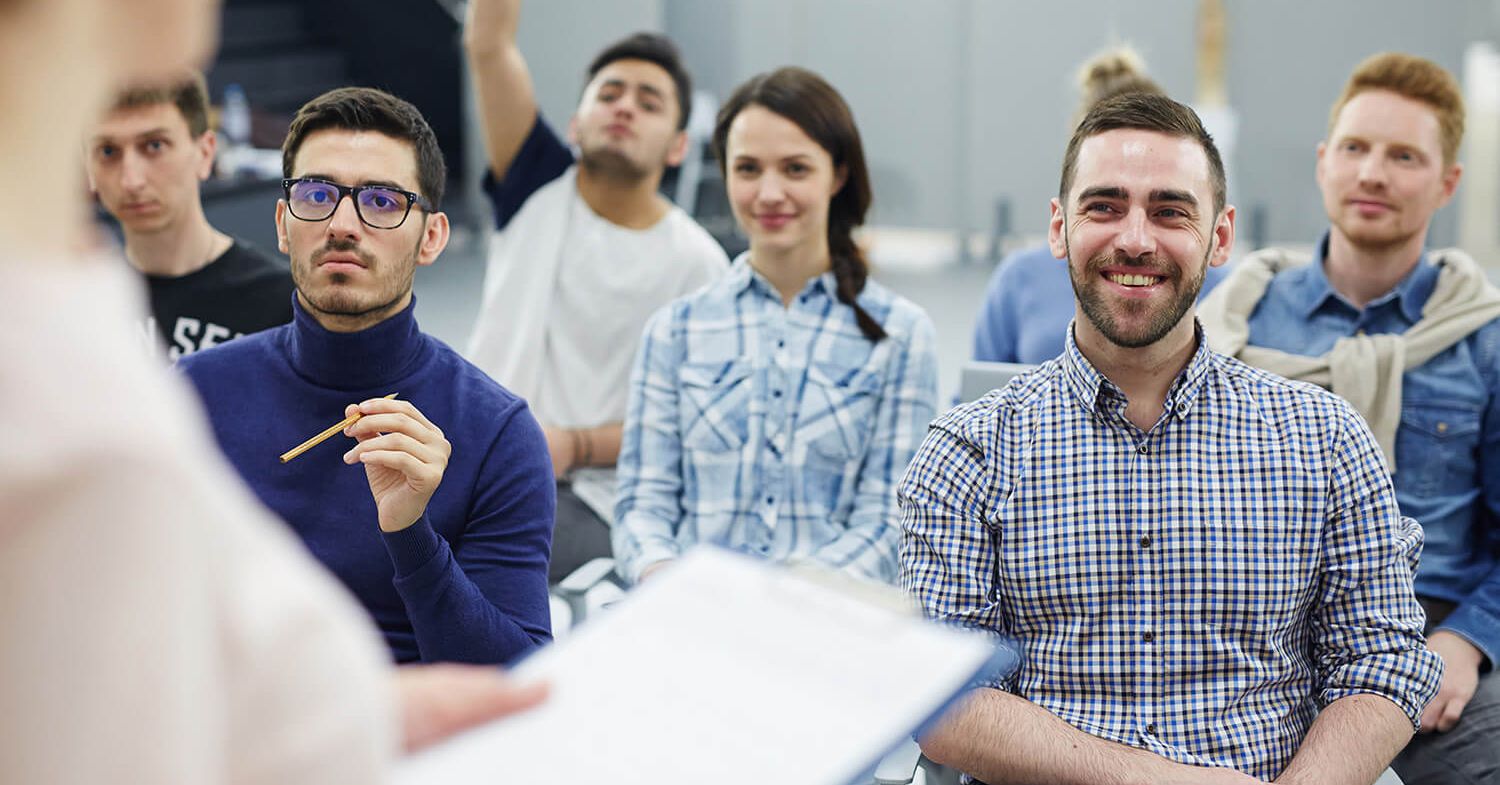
{"x": 1133, "y": 280}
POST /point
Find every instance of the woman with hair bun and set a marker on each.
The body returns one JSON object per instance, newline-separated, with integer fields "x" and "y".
{"x": 774, "y": 411}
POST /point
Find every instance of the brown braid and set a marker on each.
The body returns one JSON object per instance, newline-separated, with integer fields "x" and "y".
{"x": 850, "y": 270}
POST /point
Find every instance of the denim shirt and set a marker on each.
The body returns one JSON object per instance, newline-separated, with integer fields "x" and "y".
{"x": 1448, "y": 442}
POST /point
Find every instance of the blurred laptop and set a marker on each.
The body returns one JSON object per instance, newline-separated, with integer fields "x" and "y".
{"x": 978, "y": 378}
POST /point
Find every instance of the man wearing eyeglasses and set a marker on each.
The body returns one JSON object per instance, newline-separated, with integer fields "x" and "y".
{"x": 444, "y": 536}
{"x": 146, "y": 160}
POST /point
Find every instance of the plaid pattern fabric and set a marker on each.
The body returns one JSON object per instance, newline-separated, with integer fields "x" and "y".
{"x": 775, "y": 429}
{"x": 1199, "y": 590}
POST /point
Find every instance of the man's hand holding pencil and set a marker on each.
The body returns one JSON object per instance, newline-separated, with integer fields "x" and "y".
{"x": 404, "y": 456}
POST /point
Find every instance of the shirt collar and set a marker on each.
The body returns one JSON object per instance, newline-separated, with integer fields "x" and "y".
{"x": 1311, "y": 290}
{"x": 1097, "y": 394}
{"x": 742, "y": 277}
{"x": 374, "y": 356}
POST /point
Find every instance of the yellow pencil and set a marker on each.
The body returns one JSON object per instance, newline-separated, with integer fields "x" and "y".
{"x": 324, "y": 436}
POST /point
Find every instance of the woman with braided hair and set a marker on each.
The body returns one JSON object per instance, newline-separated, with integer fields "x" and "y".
{"x": 773, "y": 411}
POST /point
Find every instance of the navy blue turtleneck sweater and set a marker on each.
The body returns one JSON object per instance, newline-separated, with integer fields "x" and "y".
{"x": 468, "y": 581}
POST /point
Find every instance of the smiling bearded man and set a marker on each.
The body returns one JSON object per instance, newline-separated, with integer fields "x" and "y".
{"x": 1203, "y": 562}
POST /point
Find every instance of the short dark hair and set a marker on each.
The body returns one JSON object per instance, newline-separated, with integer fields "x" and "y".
{"x": 658, "y": 50}
{"x": 189, "y": 94}
{"x": 1144, "y": 112}
{"x": 368, "y": 109}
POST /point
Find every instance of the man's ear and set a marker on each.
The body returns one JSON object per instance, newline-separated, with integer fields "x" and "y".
{"x": 1451, "y": 176}
{"x": 1318, "y": 167}
{"x": 1223, "y": 237}
{"x": 1057, "y": 231}
{"x": 208, "y": 147}
{"x": 677, "y": 151}
{"x": 281, "y": 242}
{"x": 434, "y": 238}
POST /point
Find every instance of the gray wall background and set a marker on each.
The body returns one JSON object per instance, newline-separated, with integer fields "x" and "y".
{"x": 966, "y": 102}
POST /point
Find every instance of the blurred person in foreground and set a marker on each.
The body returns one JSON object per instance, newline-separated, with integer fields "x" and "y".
{"x": 160, "y": 627}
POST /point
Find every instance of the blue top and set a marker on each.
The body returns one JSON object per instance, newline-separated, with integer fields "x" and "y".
{"x": 543, "y": 157}
{"x": 1199, "y": 589}
{"x": 468, "y": 581}
{"x": 1028, "y": 305}
{"x": 777, "y": 430}
{"x": 1448, "y": 442}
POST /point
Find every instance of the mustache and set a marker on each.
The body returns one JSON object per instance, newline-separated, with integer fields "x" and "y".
{"x": 343, "y": 246}
{"x": 1149, "y": 264}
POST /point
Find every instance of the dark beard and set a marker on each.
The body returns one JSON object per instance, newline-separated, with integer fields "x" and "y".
{"x": 612, "y": 166}
{"x": 341, "y": 304}
{"x": 1095, "y": 309}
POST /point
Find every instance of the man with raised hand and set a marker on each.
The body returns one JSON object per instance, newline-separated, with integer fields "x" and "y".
{"x": 586, "y": 249}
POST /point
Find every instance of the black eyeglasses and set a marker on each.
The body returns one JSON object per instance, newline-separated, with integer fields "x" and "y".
{"x": 379, "y": 206}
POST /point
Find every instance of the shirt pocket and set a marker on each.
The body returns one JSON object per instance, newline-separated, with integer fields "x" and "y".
{"x": 1436, "y": 446}
{"x": 837, "y": 415}
{"x": 715, "y": 405}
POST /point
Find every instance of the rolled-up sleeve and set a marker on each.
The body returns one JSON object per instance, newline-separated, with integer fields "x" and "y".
{"x": 1368, "y": 625}
{"x": 948, "y": 558}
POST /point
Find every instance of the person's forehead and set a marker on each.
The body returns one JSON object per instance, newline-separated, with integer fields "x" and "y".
{"x": 1136, "y": 159}
{"x": 632, "y": 72}
{"x": 124, "y": 122}
{"x": 357, "y": 157}
{"x": 1391, "y": 116}
{"x": 758, "y": 130}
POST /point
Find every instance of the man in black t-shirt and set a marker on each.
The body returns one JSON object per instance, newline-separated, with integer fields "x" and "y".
{"x": 146, "y": 160}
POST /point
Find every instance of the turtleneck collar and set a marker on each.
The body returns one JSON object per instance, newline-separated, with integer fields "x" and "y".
{"x": 372, "y": 357}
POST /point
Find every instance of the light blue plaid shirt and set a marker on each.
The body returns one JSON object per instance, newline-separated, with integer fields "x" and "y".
{"x": 777, "y": 430}
{"x": 1199, "y": 590}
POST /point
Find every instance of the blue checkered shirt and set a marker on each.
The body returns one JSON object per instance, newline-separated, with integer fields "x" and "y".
{"x": 1199, "y": 590}
{"x": 777, "y": 430}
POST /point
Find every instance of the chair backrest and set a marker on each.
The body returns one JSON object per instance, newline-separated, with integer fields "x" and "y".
{"x": 978, "y": 378}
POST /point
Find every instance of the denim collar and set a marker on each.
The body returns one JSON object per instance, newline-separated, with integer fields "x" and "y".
{"x": 1311, "y": 292}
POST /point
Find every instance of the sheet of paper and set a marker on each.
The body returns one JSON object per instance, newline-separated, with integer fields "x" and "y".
{"x": 721, "y": 669}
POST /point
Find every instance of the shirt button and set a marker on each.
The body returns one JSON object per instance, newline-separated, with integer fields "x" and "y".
{"x": 775, "y": 393}
{"x": 781, "y": 344}
{"x": 1442, "y": 427}
{"x": 1145, "y": 541}
{"x": 1148, "y": 636}
{"x": 770, "y": 500}
{"x": 1150, "y": 729}
{"x": 1142, "y": 448}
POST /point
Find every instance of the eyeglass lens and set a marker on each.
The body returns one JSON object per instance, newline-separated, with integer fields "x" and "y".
{"x": 382, "y": 208}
